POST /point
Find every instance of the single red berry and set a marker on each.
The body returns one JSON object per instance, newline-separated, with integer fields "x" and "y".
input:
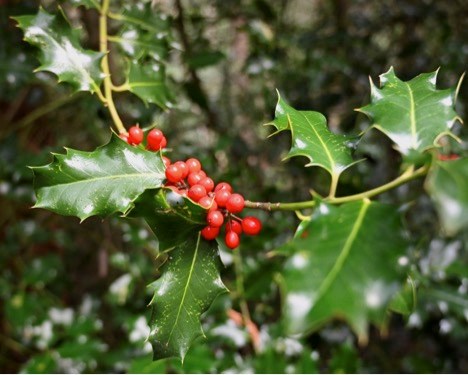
{"x": 251, "y": 225}
{"x": 223, "y": 185}
{"x": 167, "y": 161}
{"x": 202, "y": 173}
{"x": 235, "y": 203}
{"x": 196, "y": 192}
{"x": 173, "y": 173}
{"x": 164, "y": 142}
{"x": 193, "y": 164}
{"x": 135, "y": 135}
{"x": 194, "y": 178}
{"x": 207, "y": 183}
{"x": 232, "y": 239}
{"x": 154, "y": 139}
{"x": 183, "y": 167}
{"x": 215, "y": 218}
{"x": 208, "y": 203}
{"x": 234, "y": 226}
{"x": 210, "y": 233}
{"x": 124, "y": 137}
{"x": 221, "y": 197}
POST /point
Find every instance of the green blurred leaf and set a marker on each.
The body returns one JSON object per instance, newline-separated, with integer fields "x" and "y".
{"x": 148, "y": 83}
{"x": 88, "y": 4}
{"x": 203, "y": 59}
{"x": 41, "y": 364}
{"x": 172, "y": 217}
{"x": 312, "y": 138}
{"x": 412, "y": 114}
{"x": 61, "y": 52}
{"x": 189, "y": 283}
{"x": 344, "y": 265}
{"x": 101, "y": 182}
{"x": 447, "y": 184}
{"x": 404, "y": 301}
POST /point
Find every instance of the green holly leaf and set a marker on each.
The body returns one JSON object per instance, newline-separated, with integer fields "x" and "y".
{"x": 148, "y": 83}
{"x": 172, "y": 217}
{"x": 343, "y": 264}
{"x": 60, "y": 50}
{"x": 413, "y": 114}
{"x": 189, "y": 283}
{"x": 312, "y": 138}
{"x": 101, "y": 182}
{"x": 447, "y": 184}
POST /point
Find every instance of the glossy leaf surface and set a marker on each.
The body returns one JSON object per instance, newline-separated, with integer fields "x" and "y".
{"x": 172, "y": 217}
{"x": 101, "y": 182}
{"x": 312, "y": 138}
{"x": 189, "y": 283}
{"x": 147, "y": 82}
{"x": 447, "y": 185}
{"x": 60, "y": 50}
{"x": 413, "y": 114}
{"x": 343, "y": 264}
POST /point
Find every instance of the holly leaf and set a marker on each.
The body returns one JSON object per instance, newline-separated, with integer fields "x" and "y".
{"x": 312, "y": 138}
{"x": 148, "y": 83}
{"x": 101, "y": 182}
{"x": 189, "y": 283}
{"x": 60, "y": 50}
{"x": 172, "y": 217}
{"x": 343, "y": 264}
{"x": 447, "y": 184}
{"x": 413, "y": 114}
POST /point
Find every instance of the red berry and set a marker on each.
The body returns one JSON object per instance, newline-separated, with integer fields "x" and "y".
{"x": 221, "y": 197}
{"x": 193, "y": 164}
{"x": 194, "y": 178}
{"x": 208, "y": 203}
{"x": 183, "y": 167}
{"x": 207, "y": 183}
{"x": 235, "y": 203}
{"x": 223, "y": 185}
{"x": 154, "y": 139}
{"x": 210, "y": 233}
{"x": 135, "y": 135}
{"x": 196, "y": 192}
{"x": 251, "y": 225}
{"x": 167, "y": 161}
{"x": 163, "y": 142}
{"x": 215, "y": 218}
{"x": 124, "y": 137}
{"x": 173, "y": 173}
{"x": 234, "y": 226}
{"x": 232, "y": 239}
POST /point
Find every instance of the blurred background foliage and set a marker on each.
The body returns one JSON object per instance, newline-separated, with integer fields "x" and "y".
{"x": 73, "y": 296}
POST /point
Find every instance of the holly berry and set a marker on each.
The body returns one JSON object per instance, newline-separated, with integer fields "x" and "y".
{"x": 208, "y": 203}
{"x": 251, "y": 225}
{"x": 234, "y": 226}
{"x": 215, "y": 218}
{"x": 124, "y": 137}
{"x": 210, "y": 233}
{"x": 223, "y": 186}
{"x": 163, "y": 143}
{"x": 232, "y": 239}
{"x": 183, "y": 167}
{"x": 167, "y": 161}
{"x": 196, "y": 192}
{"x": 173, "y": 173}
{"x": 221, "y": 197}
{"x": 207, "y": 183}
{"x": 235, "y": 203}
{"x": 154, "y": 138}
{"x": 194, "y": 178}
{"x": 135, "y": 135}
{"x": 193, "y": 165}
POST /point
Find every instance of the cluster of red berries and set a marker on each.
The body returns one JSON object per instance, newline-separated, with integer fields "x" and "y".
{"x": 188, "y": 179}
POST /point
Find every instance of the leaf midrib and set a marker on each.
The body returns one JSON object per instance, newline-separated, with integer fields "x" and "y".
{"x": 412, "y": 117}
{"x": 189, "y": 278}
{"x": 330, "y": 278}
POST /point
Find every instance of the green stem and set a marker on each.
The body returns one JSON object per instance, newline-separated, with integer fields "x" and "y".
{"x": 333, "y": 185}
{"x": 408, "y": 175}
{"x": 240, "y": 289}
{"x": 105, "y": 67}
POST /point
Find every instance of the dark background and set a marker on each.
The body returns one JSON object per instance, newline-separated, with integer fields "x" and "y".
{"x": 73, "y": 296}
